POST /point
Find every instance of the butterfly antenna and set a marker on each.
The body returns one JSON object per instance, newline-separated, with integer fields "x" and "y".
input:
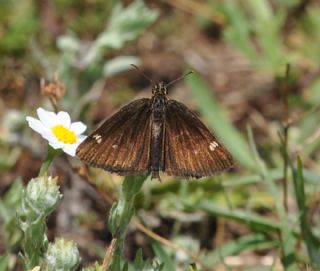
{"x": 143, "y": 74}
{"x": 180, "y": 78}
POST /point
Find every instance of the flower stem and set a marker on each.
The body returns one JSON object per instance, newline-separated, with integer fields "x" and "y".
{"x": 119, "y": 218}
{"x": 51, "y": 154}
{"x": 39, "y": 199}
{"x": 108, "y": 257}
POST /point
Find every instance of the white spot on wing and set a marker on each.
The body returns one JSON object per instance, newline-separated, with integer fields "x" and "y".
{"x": 213, "y": 145}
{"x": 115, "y": 146}
{"x": 98, "y": 138}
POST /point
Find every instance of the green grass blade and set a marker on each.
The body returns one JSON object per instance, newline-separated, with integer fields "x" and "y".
{"x": 288, "y": 240}
{"x": 238, "y": 31}
{"x": 310, "y": 178}
{"x": 252, "y": 242}
{"x": 312, "y": 242}
{"x": 252, "y": 220}
{"x": 275, "y": 173}
{"x": 222, "y": 127}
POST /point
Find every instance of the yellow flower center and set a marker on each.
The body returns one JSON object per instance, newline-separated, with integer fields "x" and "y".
{"x": 63, "y": 134}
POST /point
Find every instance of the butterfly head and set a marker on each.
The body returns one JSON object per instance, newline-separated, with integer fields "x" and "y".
{"x": 160, "y": 89}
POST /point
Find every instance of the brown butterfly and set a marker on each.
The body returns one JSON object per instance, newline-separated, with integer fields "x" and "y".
{"x": 153, "y": 135}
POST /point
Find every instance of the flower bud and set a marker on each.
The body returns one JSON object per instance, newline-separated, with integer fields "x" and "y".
{"x": 62, "y": 255}
{"x": 42, "y": 195}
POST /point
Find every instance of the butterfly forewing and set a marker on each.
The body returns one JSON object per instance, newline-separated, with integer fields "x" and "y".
{"x": 122, "y": 143}
{"x": 191, "y": 150}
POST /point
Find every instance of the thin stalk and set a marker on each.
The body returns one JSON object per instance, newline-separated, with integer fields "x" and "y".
{"x": 285, "y": 123}
{"x": 108, "y": 257}
{"x": 51, "y": 154}
{"x": 170, "y": 244}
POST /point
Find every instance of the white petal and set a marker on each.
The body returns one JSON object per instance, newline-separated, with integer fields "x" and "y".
{"x": 35, "y": 125}
{"x": 48, "y": 135}
{"x": 48, "y": 118}
{"x": 70, "y": 149}
{"x": 64, "y": 119}
{"x": 78, "y": 127}
{"x": 44, "y": 131}
{"x": 56, "y": 145}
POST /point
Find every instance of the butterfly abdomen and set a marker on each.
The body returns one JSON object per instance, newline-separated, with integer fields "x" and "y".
{"x": 158, "y": 117}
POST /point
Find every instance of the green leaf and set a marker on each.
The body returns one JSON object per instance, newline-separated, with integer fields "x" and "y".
{"x": 4, "y": 262}
{"x": 225, "y": 131}
{"x": 11, "y": 200}
{"x": 164, "y": 257}
{"x": 125, "y": 24}
{"x": 138, "y": 261}
{"x": 132, "y": 185}
{"x": 122, "y": 211}
{"x": 119, "y": 64}
{"x": 9, "y": 204}
{"x": 120, "y": 216}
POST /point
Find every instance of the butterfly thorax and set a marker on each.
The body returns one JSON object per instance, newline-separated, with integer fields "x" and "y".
{"x": 160, "y": 89}
{"x": 159, "y": 101}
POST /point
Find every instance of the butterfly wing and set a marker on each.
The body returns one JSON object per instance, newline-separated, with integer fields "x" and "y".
{"x": 191, "y": 150}
{"x": 122, "y": 143}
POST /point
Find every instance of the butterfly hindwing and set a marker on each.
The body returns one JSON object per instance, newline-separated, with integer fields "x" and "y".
{"x": 191, "y": 150}
{"x": 122, "y": 143}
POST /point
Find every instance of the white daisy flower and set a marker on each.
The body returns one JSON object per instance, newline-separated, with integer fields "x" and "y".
{"x": 58, "y": 130}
